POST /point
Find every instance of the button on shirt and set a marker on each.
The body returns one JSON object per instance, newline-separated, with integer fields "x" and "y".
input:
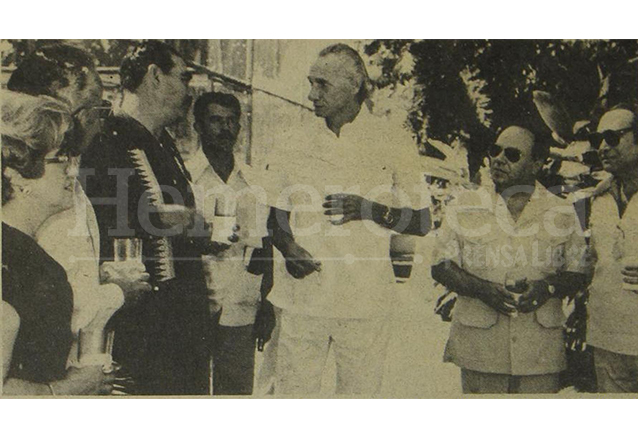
{"x": 480, "y": 236}
{"x": 372, "y": 159}
{"x": 613, "y": 312}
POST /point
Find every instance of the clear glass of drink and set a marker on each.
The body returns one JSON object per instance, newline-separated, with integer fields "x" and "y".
{"x": 127, "y": 249}
{"x": 225, "y": 220}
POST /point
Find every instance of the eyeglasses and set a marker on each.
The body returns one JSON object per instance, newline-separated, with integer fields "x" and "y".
{"x": 611, "y": 137}
{"x": 511, "y": 154}
{"x": 57, "y": 160}
{"x": 100, "y": 108}
{"x": 62, "y": 159}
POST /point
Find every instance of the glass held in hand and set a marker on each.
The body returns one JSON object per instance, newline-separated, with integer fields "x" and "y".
{"x": 127, "y": 249}
{"x": 224, "y": 229}
{"x": 517, "y": 285}
{"x": 402, "y": 249}
{"x": 224, "y": 222}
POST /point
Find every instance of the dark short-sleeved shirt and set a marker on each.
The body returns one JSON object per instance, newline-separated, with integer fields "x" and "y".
{"x": 36, "y": 286}
{"x": 161, "y": 339}
{"x": 110, "y": 171}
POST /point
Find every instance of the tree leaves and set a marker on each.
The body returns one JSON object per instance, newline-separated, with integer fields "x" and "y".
{"x": 469, "y": 88}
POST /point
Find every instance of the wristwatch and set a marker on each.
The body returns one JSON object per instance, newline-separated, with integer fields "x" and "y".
{"x": 388, "y": 217}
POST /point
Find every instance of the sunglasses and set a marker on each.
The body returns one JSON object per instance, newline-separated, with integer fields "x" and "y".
{"x": 511, "y": 154}
{"x": 611, "y": 137}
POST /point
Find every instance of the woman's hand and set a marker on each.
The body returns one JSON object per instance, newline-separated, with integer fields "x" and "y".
{"x": 89, "y": 380}
{"x": 131, "y": 276}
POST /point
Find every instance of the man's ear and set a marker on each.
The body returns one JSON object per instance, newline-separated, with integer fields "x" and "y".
{"x": 153, "y": 72}
{"x": 538, "y": 165}
{"x": 64, "y": 90}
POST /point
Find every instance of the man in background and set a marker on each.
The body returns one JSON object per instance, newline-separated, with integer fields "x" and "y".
{"x": 140, "y": 189}
{"x": 511, "y": 255}
{"x": 68, "y": 74}
{"x": 236, "y": 276}
{"x": 612, "y": 327}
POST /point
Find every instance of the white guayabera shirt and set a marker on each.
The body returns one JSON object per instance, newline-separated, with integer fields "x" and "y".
{"x": 231, "y": 286}
{"x": 370, "y": 158}
{"x": 613, "y": 311}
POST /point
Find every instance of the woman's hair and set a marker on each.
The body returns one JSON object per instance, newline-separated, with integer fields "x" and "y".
{"x": 31, "y": 127}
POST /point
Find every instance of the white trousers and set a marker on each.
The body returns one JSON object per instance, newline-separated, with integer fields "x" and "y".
{"x": 360, "y": 348}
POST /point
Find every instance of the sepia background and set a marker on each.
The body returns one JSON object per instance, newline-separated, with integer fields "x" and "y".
{"x": 448, "y": 93}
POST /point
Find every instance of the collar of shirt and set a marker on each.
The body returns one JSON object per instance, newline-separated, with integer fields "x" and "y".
{"x": 540, "y": 201}
{"x": 198, "y": 163}
{"x": 364, "y": 121}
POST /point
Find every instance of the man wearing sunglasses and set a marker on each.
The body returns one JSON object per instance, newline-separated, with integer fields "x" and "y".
{"x": 511, "y": 254}
{"x": 612, "y": 327}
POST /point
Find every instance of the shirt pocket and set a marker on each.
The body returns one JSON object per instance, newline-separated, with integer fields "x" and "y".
{"x": 551, "y": 314}
{"x": 549, "y": 253}
{"x": 474, "y": 313}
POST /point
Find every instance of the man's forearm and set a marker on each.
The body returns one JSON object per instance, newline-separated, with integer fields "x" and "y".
{"x": 567, "y": 283}
{"x": 279, "y": 228}
{"x": 401, "y": 220}
{"x": 450, "y": 275}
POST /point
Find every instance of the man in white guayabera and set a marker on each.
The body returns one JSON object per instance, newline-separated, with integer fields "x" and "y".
{"x": 511, "y": 255}
{"x": 612, "y": 327}
{"x": 335, "y": 237}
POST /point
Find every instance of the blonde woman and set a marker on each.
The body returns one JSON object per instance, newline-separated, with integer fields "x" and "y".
{"x": 37, "y": 182}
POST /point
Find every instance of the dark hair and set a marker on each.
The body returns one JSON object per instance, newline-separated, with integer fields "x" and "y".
{"x": 31, "y": 127}
{"x": 140, "y": 56}
{"x": 223, "y": 99}
{"x": 352, "y": 55}
{"x": 49, "y": 68}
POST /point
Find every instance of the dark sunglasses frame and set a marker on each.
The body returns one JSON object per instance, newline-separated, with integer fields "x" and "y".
{"x": 512, "y": 155}
{"x": 611, "y": 137}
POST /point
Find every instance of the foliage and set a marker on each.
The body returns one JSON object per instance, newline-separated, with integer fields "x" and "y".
{"x": 108, "y": 53}
{"x": 466, "y": 89}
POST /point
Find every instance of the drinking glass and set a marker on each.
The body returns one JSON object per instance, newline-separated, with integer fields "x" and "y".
{"x": 225, "y": 219}
{"x": 127, "y": 249}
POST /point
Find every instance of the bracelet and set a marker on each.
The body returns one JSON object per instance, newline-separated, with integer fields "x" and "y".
{"x": 50, "y": 386}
